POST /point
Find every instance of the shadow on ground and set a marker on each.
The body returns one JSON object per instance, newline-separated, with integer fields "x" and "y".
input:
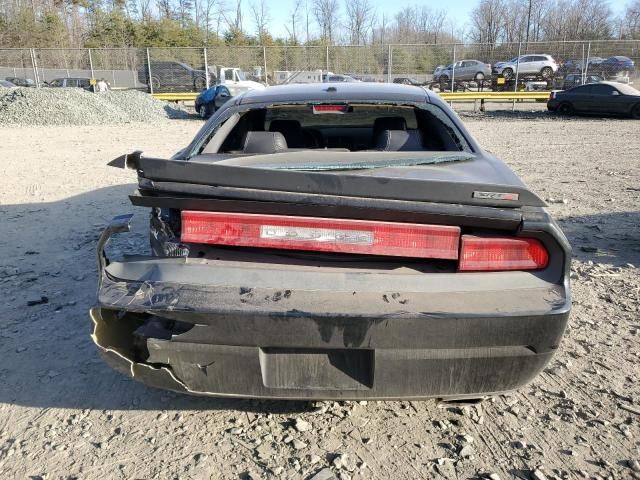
{"x": 48, "y": 250}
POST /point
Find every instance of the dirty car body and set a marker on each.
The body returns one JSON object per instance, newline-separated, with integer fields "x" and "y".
{"x": 334, "y": 241}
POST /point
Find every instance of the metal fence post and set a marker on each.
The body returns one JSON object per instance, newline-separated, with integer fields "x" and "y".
{"x": 91, "y": 63}
{"x": 206, "y": 69}
{"x": 264, "y": 58}
{"x": 150, "y": 85}
{"x": 34, "y": 65}
{"x": 327, "y": 59}
{"x": 453, "y": 68}
{"x": 586, "y": 63}
{"x": 389, "y": 63}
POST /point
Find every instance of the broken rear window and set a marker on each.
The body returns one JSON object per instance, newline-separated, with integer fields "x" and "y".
{"x": 341, "y": 127}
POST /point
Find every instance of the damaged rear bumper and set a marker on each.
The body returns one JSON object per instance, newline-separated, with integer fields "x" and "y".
{"x": 227, "y": 328}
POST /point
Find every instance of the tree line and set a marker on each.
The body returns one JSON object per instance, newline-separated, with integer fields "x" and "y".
{"x": 178, "y": 23}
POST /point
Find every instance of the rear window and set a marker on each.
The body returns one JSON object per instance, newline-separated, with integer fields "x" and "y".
{"x": 345, "y": 127}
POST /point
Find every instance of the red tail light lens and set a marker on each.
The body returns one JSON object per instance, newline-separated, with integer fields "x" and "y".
{"x": 321, "y": 234}
{"x": 496, "y": 253}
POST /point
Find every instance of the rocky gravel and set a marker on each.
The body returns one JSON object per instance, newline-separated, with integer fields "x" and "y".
{"x": 76, "y": 106}
{"x": 64, "y": 414}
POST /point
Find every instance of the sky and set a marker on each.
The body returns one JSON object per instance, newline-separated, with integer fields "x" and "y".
{"x": 457, "y": 11}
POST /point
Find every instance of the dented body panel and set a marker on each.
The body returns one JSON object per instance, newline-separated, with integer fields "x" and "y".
{"x": 225, "y": 319}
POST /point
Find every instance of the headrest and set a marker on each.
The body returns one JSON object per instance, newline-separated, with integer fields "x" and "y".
{"x": 389, "y": 123}
{"x": 400, "y": 141}
{"x": 264, "y": 142}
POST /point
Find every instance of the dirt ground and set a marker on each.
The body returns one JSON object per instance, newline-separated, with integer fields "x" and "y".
{"x": 65, "y": 414}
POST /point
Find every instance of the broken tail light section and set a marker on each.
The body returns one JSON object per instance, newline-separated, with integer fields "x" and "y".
{"x": 321, "y": 234}
{"x": 473, "y": 253}
{"x": 484, "y": 254}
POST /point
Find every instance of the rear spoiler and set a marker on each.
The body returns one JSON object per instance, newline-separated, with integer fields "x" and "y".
{"x": 156, "y": 171}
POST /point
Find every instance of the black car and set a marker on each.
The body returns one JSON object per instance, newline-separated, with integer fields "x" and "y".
{"x": 21, "y": 82}
{"x": 172, "y": 76}
{"x": 342, "y": 241}
{"x": 605, "y": 98}
{"x": 574, "y": 79}
{"x": 211, "y": 99}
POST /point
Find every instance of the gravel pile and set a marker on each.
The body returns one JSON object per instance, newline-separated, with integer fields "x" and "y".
{"x": 75, "y": 106}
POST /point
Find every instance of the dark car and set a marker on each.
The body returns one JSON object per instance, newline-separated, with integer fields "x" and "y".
{"x": 172, "y": 76}
{"x": 71, "y": 82}
{"x": 575, "y": 79}
{"x": 21, "y": 82}
{"x": 211, "y": 99}
{"x": 606, "y": 98}
{"x": 612, "y": 66}
{"x": 408, "y": 81}
{"x": 347, "y": 241}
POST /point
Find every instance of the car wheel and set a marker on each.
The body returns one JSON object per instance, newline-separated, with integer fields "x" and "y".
{"x": 479, "y": 76}
{"x": 507, "y": 73}
{"x": 200, "y": 83}
{"x": 204, "y": 111}
{"x": 635, "y": 112}
{"x": 155, "y": 83}
{"x": 566, "y": 109}
{"x": 443, "y": 80}
{"x": 546, "y": 72}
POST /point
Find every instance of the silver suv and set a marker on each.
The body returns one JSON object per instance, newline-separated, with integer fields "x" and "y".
{"x": 543, "y": 65}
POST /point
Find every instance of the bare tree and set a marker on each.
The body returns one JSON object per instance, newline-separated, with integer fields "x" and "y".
{"x": 487, "y": 21}
{"x": 631, "y": 27}
{"x": 293, "y": 21}
{"x": 327, "y": 16}
{"x": 261, "y": 17}
{"x": 360, "y": 19}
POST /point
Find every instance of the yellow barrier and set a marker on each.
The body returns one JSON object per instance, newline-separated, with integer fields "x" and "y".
{"x": 448, "y": 96}
{"x": 175, "y": 97}
{"x": 458, "y": 96}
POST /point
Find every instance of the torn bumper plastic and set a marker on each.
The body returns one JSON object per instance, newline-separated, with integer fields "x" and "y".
{"x": 228, "y": 328}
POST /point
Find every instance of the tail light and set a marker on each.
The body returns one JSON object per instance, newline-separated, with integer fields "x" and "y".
{"x": 498, "y": 253}
{"x": 321, "y": 234}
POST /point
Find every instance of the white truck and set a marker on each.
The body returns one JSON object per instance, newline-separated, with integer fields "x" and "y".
{"x": 234, "y": 79}
{"x": 299, "y": 76}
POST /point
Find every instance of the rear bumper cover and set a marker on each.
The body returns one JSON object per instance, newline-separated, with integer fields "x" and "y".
{"x": 295, "y": 333}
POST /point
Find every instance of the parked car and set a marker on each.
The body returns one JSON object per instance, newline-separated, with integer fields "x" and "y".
{"x": 70, "y": 82}
{"x": 605, "y": 98}
{"x": 408, "y": 81}
{"x": 575, "y": 79}
{"x": 334, "y": 77}
{"x": 389, "y": 256}
{"x": 21, "y": 82}
{"x": 172, "y": 76}
{"x": 464, "y": 71}
{"x": 543, "y": 66}
{"x": 211, "y": 99}
{"x": 613, "y": 66}
{"x": 7, "y": 84}
{"x": 577, "y": 65}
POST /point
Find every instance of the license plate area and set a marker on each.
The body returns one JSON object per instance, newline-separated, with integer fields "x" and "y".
{"x": 317, "y": 369}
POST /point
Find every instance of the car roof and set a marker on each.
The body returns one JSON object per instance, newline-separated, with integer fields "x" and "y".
{"x": 339, "y": 92}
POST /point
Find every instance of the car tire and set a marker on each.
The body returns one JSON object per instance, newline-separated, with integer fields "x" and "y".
{"x": 155, "y": 83}
{"x": 507, "y": 73}
{"x": 200, "y": 83}
{"x": 566, "y": 109}
{"x": 204, "y": 111}
{"x": 479, "y": 77}
{"x": 546, "y": 73}
{"x": 635, "y": 112}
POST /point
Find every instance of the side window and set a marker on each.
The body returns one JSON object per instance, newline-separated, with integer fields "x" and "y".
{"x": 527, "y": 59}
{"x": 228, "y": 75}
{"x": 602, "y": 90}
{"x": 72, "y": 82}
{"x": 56, "y": 83}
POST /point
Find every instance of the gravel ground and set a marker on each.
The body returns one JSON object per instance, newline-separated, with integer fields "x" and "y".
{"x": 75, "y": 106}
{"x": 65, "y": 414}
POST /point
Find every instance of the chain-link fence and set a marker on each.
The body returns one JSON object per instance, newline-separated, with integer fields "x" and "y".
{"x": 444, "y": 66}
